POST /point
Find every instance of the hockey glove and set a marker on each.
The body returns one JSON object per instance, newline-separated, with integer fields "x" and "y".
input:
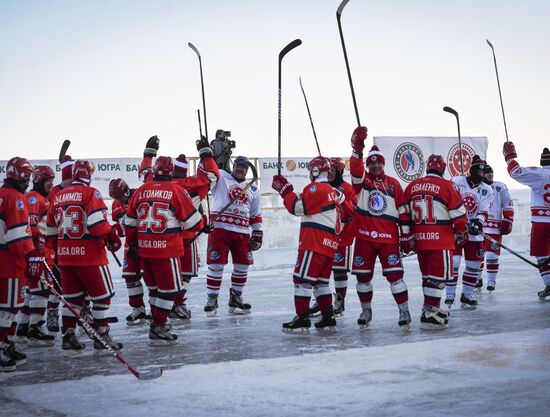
{"x": 406, "y": 242}
{"x": 256, "y": 240}
{"x": 39, "y": 241}
{"x": 475, "y": 227}
{"x": 509, "y": 151}
{"x": 133, "y": 253}
{"x": 112, "y": 241}
{"x": 119, "y": 229}
{"x": 152, "y": 146}
{"x": 358, "y": 140}
{"x": 35, "y": 265}
{"x": 460, "y": 239}
{"x": 204, "y": 147}
{"x": 209, "y": 226}
{"x": 506, "y": 226}
{"x": 281, "y": 185}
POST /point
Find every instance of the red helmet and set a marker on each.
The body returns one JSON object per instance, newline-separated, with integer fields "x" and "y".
{"x": 42, "y": 173}
{"x": 118, "y": 188}
{"x": 83, "y": 171}
{"x": 436, "y": 163}
{"x": 19, "y": 169}
{"x": 163, "y": 166}
{"x": 317, "y": 165}
{"x": 338, "y": 163}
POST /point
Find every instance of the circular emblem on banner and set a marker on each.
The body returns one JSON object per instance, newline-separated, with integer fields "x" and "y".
{"x": 409, "y": 161}
{"x": 470, "y": 203}
{"x": 376, "y": 203}
{"x": 291, "y": 165}
{"x": 453, "y": 159}
{"x": 233, "y": 191}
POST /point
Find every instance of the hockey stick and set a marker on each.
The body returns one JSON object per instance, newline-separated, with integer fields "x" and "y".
{"x": 63, "y": 151}
{"x": 200, "y": 133}
{"x": 499, "y": 90}
{"x": 116, "y": 258}
{"x": 152, "y": 374}
{"x": 310, "y": 119}
{"x": 338, "y": 18}
{"x": 224, "y": 209}
{"x": 455, "y": 113}
{"x": 284, "y": 51}
{"x": 199, "y": 116}
{"x": 202, "y": 87}
{"x": 513, "y": 252}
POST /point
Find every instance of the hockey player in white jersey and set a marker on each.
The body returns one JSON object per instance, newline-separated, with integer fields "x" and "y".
{"x": 538, "y": 179}
{"x": 499, "y": 223}
{"x": 476, "y": 197}
{"x": 232, "y": 234}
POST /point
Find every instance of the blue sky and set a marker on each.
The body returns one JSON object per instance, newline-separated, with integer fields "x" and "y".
{"x": 109, "y": 74}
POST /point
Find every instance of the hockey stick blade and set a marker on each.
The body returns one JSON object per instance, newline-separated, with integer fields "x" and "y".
{"x": 194, "y": 49}
{"x": 341, "y": 8}
{"x": 295, "y": 43}
{"x": 152, "y": 374}
{"x": 450, "y": 110}
{"x": 490, "y": 44}
{"x": 63, "y": 151}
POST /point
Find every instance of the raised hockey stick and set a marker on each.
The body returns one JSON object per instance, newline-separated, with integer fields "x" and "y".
{"x": 235, "y": 198}
{"x": 63, "y": 151}
{"x": 152, "y": 374}
{"x": 338, "y": 19}
{"x": 202, "y": 88}
{"x": 513, "y": 252}
{"x": 310, "y": 119}
{"x": 499, "y": 90}
{"x": 295, "y": 43}
{"x": 455, "y": 113}
{"x": 200, "y": 126}
{"x": 200, "y": 133}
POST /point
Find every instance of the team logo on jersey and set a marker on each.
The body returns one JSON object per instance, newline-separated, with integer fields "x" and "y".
{"x": 409, "y": 161}
{"x": 376, "y": 203}
{"x": 214, "y": 255}
{"x": 393, "y": 259}
{"x": 98, "y": 195}
{"x": 471, "y": 203}
{"x": 125, "y": 264}
{"x": 234, "y": 191}
{"x": 358, "y": 261}
{"x": 33, "y": 200}
{"x": 313, "y": 188}
{"x": 374, "y": 234}
{"x": 338, "y": 257}
{"x": 494, "y": 245}
{"x": 453, "y": 159}
{"x": 19, "y": 204}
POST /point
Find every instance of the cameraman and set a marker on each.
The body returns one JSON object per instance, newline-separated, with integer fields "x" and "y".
{"x": 222, "y": 148}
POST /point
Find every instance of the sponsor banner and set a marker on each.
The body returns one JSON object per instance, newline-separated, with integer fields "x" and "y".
{"x": 406, "y": 157}
{"x": 294, "y": 169}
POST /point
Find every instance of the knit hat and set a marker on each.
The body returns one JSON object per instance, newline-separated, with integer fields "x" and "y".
{"x": 477, "y": 163}
{"x": 545, "y": 157}
{"x": 375, "y": 156}
{"x": 180, "y": 167}
{"x": 67, "y": 168}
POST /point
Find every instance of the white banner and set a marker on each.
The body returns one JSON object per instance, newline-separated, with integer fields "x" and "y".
{"x": 406, "y": 157}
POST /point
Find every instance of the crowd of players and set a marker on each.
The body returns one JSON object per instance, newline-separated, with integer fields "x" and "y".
{"x": 54, "y": 240}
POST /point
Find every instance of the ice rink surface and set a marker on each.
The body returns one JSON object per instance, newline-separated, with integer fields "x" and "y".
{"x": 494, "y": 361}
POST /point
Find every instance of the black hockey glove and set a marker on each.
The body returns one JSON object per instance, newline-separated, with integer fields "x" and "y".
{"x": 475, "y": 227}
{"x": 133, "y": 253}
{"x": 204, "y": 147}
{"x": 152, "y": 146}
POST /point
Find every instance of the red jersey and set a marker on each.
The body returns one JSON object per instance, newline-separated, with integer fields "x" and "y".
{"x": 348, "y": 209}
{"x": 77, "y": 222}
{"x": 157, "y": 213}
{"x": 437, "y": 212}
{"x": 379, "y": 205}
{"x": 37, "y": 206}
{"x": 51, "y": 242}
{"x": 15, "y": 233}
{"x": 320, "y": 211}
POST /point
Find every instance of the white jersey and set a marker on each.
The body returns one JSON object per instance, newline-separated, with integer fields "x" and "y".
{"x": 244, "y": 213}
{"x": 538, "y": 179}
{"x": 502, "y": 207}
{"x": 477, "y": 201}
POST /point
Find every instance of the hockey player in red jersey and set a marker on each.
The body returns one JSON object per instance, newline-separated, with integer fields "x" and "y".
{"x": 538, "y": 179}
{"x": 232, "y": 234}
{"x": 438, "y": 218}
{"x": 78, "y": 228}
{"x": 19, "y": 259}
{"x": 157, "y": 212}
{"x": 37, "y": 294}
{"x": 380, "y": 221}
{"x": 499, "y": 223}
{"x": 319, "y": 207}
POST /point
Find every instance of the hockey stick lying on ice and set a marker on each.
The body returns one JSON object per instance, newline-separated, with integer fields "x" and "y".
{"x": 152, "y": 374}
{"x": 224, "y": 209}
{"x": 513, "y": 252}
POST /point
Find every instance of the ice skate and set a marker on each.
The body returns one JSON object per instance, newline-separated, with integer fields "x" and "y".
{"x": 236, "y": 304}
{"x": 365, "y": 318}
{"x": 327, "y": 324}
{"x": 19, "y": 357}
{"x": 52, "y": 320}
{"x": 433, "y": 319}
{"x": 468, "y": 303}
{"x": 22, "y": 332}
{"x": 491, "y": 286}
{"x": 99, "y": 348}
{"x": 136, "y": 317}
{"x": 37, "y": 337}
{"x": 404, "y": 318}
{"x": 339, "y": 306}
{"x": 299, "y": 324}
{"x": 7, "y": 363}
{"x": 71, "y": 346}
{"x": 544, "y": 293}
{"x": 179, "y": 314}
{"x": 314, "y": 310}
{"x": 159, "y": 335}
{"x": 211, "y": 307}
{"x": 479, "y": 285}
